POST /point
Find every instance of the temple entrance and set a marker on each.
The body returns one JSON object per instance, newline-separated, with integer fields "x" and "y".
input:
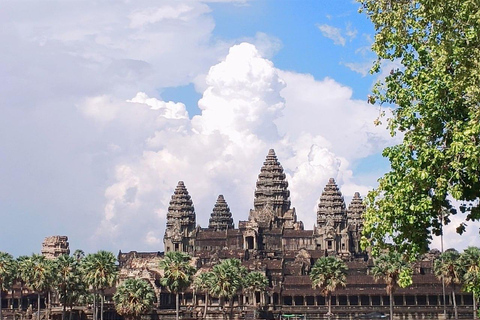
{"x": 249, "y": 243}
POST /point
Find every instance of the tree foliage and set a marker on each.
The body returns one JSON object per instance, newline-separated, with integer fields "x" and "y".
{"x": 327, "y": 274}
{"x": 447, "y": 267}
{"x": 177, "y": 274}
{"x": 8, "y": 268}
{"x": 470, "y": 264}
{"x": 435, "y": 94}
{"x": 228, "y": 280}
{"x": 133, "y": 298}
{"x": 100, "y": 272}
{"x": 395, "y": 272}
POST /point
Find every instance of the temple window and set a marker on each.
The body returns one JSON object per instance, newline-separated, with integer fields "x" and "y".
{"x": 329, "y": 244}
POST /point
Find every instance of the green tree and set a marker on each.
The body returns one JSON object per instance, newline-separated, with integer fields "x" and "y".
{"x": 395, "y": 272}
{"x": 133, "y": 298}
{"x": 37, "y": 273}
{"x": 228, "y": 281}
{"x": 470, "y": 265}
{"x": 21, "y": 273}
{"x": 434, "y": 88}
{"x": 177, "y": 274}
{"x": 100, "y": 272}
{"x": 68, "y": 280}
{"x": 202, "y": 283}
{"x": 448, "y": 268}
{"x": 327, "y": 274}
{"x": 8, "y": 269}
{"x": 255, "y": 282}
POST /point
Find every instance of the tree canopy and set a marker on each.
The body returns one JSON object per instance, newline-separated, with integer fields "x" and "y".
{"x": 434, "y": 91}
{"x": 133, "y": 298}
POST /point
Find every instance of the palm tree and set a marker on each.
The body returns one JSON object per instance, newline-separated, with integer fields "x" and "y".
{"x": 395, "y": 272}
{"x": 7, "y": 274}
{"x": 327, "y": 274}
{"x": 447, "y": 267}
{"x": 20, "y": 272}
{"x": 470, "y": 264}
{"x": 100, "y": 272}
{"x": 203, "y": 282}
{"x": 68, "y": 279}
{"x": 177, "y": 275}
{"x": 254, "y": 282}
{"x": 228, "y": 280}
{"x": 37, "y": 273}
{"x": 133, "y": 298}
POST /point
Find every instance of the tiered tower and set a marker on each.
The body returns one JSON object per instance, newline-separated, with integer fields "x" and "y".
{"x": 355, "y": 221}
{"x": 272, "y": 188}
{"x": 331, "y": 221}
{"x": 221, "y": 217}
{"x": 179, "y": 234}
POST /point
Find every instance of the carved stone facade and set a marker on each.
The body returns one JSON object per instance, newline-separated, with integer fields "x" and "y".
{"x": 272, "y": 228}
{"x": 179, "y": 234}
{"x": 55, "y": 246}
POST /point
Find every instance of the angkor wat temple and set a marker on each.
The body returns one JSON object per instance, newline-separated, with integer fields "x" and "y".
{"x": 275, "y": 243}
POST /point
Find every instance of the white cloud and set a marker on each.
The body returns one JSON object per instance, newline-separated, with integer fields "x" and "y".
{"x": 248, "y": 106}
{"x": 332, "y": 33}
{"x": 362, "y": 68}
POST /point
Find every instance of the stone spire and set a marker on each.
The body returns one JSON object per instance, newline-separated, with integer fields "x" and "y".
{"x": 180, "y": 220}
{"x": 356, "y": 207}
{"x": 331, "y": 209}
{"x": 221, "y": 217}
{"x": 272, "y": 188}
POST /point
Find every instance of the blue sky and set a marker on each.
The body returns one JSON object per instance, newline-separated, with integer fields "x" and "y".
{"x": 107, "y": 105}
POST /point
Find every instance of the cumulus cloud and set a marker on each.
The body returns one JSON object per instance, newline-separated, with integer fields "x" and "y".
{"x": 247, "y": 107}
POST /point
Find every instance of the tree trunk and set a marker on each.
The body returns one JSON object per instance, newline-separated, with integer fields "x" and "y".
{"x": 454, "y": 303}
{"x": 20, "y": 304}
{"x": 206, "y": 305}
{"x": 329, "y": 301}
{"x": 64, "y": 310}
{"x": 231, "y": 308}
{"x": 48, "y": 306}
{"x": 102, "y": 297}
{"x": 38, "y": 306}
{"x": 1, "y": 315}
{"x": 176, "y": 306}
{"x": 391, "y": 305}
{"x": 94, "y": 306}
{"x": 474, "y": 306}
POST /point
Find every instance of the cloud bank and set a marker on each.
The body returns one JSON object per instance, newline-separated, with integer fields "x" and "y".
{"x": 248, "y": 107}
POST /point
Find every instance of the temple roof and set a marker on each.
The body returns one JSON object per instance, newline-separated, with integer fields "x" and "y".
{"x": 331, "y": 202}
{"x": 356, "y": 207}
{"x": 221, "y": 217}
{"x": 181, "y": 207}
{"x": 272, "y": 187}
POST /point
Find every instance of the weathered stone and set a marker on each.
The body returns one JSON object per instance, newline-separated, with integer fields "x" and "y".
{"x": 180, "y": 221}
{"x": 55, "y": 246}
{"x": 221, "y": 217}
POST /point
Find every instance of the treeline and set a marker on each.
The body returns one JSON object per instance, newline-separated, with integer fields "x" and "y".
{"x": 82, "y": 279}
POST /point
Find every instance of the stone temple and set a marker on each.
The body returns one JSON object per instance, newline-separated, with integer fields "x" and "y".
{"x": 272, "y": 230}
{"x": 274, "y": 242}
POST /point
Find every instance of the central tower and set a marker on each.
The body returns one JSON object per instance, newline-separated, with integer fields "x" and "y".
{"x": 272, "y": 198}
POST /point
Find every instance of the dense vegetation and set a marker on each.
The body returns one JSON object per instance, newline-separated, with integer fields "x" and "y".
{"x": 79, "y": 280}
{"x": 430, "y": 53}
